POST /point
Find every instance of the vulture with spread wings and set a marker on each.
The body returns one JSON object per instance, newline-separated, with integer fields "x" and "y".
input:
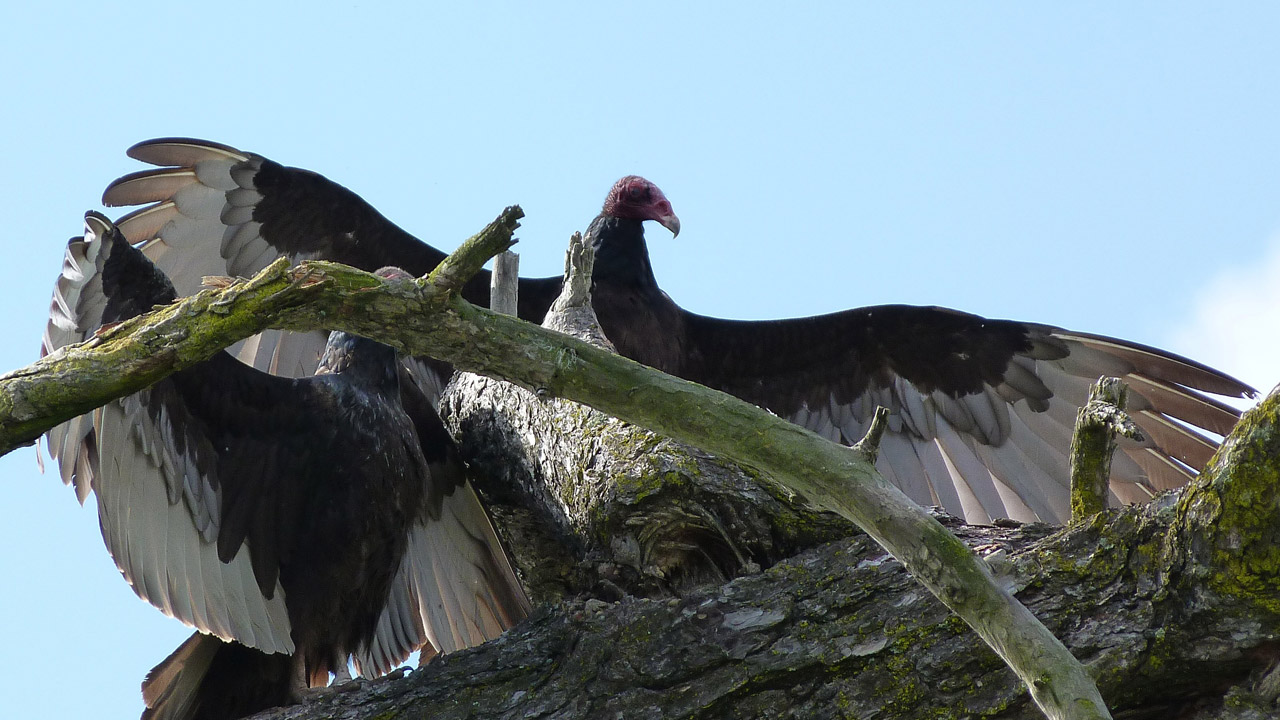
{"x": 981, "y": 410}
{"x": 294, "y": 522}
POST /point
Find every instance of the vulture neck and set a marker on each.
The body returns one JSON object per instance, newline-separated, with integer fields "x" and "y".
{"x": 622, "y": 258}
{"x": 361, "y": 361}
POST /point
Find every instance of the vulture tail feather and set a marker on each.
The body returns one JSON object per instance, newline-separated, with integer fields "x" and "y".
{"x": 208, "y": 679}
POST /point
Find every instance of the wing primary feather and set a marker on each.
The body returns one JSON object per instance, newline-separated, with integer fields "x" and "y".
{"x": 898, "y": 453}
{"x": 1174, "y": 439}
{"x": 147, "y": 186}
{"x": 181, "y": 151}
{"x": 976, "y": 479}
{"x": 1199, "y": 410}
{"x": 1156, "y": 363}
{"x": 146, "y": 223}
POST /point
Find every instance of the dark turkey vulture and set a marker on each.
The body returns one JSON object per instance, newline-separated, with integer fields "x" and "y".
{"x": 293, "y": 522}
{"x": 981, "y": 410}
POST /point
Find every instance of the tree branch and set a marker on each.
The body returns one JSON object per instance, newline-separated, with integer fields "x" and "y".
{"x": 843, "y": 631}
{"x": 462, "y": 264}
{"x": 504, "y": 287}
{"x": 1093, "y": 444}
{"x": 1172, "y": 622}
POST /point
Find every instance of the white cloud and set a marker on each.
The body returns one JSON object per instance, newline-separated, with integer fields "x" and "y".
{"x": 1235, "y": 322}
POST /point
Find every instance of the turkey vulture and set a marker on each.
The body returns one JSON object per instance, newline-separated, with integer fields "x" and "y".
{"x": 981, "y": 410}
{"x": 293, "y": 522}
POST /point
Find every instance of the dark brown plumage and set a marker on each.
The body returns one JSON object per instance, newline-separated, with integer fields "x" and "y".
{"x": 319, "y": 518}
{"x": 981, "y": 409}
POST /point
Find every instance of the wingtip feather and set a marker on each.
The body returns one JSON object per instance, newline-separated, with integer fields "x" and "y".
{"x": 181, "y": 151}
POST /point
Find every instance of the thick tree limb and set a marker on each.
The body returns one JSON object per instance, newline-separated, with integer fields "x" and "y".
{"x": 839, "y": 632}
{"x": 843, "y": 632}
{"x": 428, "y": 318}
{"x": 651, "y": 515}
{"x": 1176, "y": 617}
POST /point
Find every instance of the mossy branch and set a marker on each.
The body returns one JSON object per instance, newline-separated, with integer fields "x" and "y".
{"x": 1093, "y": 444}
{"x": 460, "y": 266}
{"x": 1229, "y": 518}
{"x": 429, "y": 318}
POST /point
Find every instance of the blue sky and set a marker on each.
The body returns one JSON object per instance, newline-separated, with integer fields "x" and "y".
{"x": 1104, "y": 169}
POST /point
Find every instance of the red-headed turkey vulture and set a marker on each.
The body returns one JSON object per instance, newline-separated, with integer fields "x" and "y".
{"x": 981, "y": 410}
{"x": 293, "y": 522}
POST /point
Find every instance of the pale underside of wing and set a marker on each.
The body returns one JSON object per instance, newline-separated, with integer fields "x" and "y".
{"x": 157, "y": 513}
{"x": 77, "y": 296}
{"x": 1003, "y": 452}
{"x": 197, "y": 222}
{"x": 454, "y": 589}
{"x": 159, "y": 522}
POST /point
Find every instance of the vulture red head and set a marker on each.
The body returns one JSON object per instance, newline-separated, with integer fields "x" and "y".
{"x": 635, "y": 198}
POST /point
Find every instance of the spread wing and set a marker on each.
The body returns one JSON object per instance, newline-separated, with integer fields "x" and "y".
{"x": 210, "y": 209}
{"x": 981, "y": 411}
{"x": 455, "y": 587}
{"x": 200, "y": 480}
{"x": 149, "y": 459}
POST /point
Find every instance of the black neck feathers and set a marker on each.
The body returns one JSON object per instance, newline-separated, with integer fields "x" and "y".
{"x": 622, "y": 258}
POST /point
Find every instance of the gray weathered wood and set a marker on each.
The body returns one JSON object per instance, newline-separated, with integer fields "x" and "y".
{"x": 504, "y": 286}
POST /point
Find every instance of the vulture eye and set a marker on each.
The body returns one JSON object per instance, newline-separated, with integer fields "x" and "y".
{"x": 636, "y": 192}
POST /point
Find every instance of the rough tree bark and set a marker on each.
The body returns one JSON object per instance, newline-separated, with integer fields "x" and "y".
{"x": 1174, "y": 606}
{"x": 1170, "y": 605}
{"x": 653, "y": 516}
{"x": 1093, "y": 444}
